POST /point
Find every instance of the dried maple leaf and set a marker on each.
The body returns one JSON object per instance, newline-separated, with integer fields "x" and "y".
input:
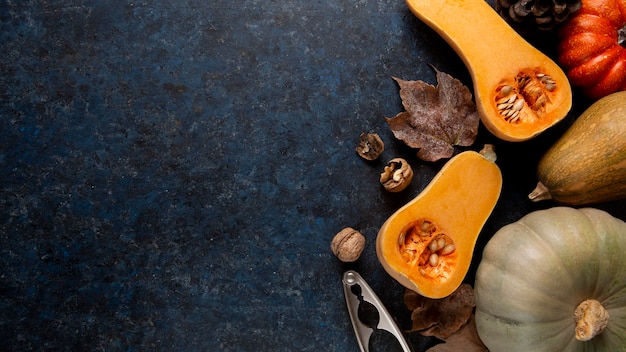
{"x": 466, "y": 340}
{"x": 440, "y": 317}
{"x": 436, "y": 118}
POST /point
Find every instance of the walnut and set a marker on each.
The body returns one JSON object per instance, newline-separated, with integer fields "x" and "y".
{"x": 348, "y": 244}
{"x": 397, "y": 175}
{"x": 370, "y": 146}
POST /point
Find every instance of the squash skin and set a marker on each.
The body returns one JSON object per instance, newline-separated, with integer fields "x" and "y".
{"x": 587, "y": 164}
{"x": 464, "y": 25}
{"x": 534, "y": 273}
{"x": 458, "y": 200}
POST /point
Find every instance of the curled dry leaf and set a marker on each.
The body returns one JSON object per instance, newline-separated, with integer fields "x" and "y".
{"x": 436, "y": 118}
{"x": 465, "y": 339}
{"x": 440, "y": 317}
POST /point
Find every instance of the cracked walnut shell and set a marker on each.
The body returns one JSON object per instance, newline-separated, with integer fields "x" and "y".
{"x": 370, "y": 146}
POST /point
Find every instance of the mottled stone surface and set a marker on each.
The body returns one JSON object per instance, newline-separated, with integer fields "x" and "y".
{"x": 173, "y": 171}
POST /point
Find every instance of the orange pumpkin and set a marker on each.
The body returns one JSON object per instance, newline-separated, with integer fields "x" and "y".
{"x": 592, "y": 47}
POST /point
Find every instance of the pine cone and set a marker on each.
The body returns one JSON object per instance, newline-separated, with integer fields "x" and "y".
{"x": 536, "y": 15}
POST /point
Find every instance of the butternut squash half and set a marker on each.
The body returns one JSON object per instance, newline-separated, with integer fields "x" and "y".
{"x": 519, "y": 91}
{"x": 427, "y": 245}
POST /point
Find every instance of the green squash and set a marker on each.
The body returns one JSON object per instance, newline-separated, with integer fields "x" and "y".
{"x": 587, "y": 165}
{"x": 535, "y": 273}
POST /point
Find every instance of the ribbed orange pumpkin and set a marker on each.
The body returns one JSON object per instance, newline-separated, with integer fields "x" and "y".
{"x": 591, "y": 47}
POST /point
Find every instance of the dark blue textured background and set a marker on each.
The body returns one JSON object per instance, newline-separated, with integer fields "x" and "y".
{"x": 173, "y": 171}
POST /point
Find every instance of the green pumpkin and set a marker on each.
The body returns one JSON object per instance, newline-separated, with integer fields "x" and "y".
{"x": 535, "y": 273}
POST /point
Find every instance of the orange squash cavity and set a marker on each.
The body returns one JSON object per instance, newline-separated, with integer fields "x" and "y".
{"x": 427, "y": 245}
{"x": 519, "y": 91}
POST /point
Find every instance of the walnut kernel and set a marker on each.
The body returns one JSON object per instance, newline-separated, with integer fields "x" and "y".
{"x": 348, "y": 244}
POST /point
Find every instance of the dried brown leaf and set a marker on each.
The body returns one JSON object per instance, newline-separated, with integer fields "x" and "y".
{"x": 466, "y": 339}
{"x": 436, "y": 118}
{"x": 440, "y": 317}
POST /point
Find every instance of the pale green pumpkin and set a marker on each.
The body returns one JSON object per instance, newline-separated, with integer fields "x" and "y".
{"x": 535, "y": 272}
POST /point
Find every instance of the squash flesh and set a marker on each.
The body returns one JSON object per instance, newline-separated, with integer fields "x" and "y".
{"x": 458, "y": 201}
{"x": 494, "y": 55}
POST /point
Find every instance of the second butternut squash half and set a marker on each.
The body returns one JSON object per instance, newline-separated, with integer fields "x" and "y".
{"x": 428, "y": 244}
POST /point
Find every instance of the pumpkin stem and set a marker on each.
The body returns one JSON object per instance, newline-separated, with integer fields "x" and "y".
{"x": 591, "y": 319}
{"x": 541, "y": 192}
{"x": 621, "y": 36}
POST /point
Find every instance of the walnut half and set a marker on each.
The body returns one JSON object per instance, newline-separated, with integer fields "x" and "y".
{"x": 397, "y": 175}
{"x": 370, "y": 146}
